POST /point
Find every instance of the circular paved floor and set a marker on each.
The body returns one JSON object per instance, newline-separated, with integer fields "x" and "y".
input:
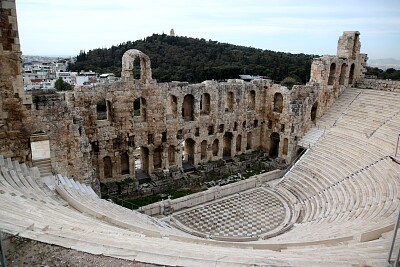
{"x": 246, "y": 214}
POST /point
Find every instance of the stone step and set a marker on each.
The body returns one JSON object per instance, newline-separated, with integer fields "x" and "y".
{"x": 44, "y": 166}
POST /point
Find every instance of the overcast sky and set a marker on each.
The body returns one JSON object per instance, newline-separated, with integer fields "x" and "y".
{"x": 55, "y": 27}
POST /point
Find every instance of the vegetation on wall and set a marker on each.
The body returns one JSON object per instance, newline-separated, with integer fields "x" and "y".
{"x": 195, "y": 60}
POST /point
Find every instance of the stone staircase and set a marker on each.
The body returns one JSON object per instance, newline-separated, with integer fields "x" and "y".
{"x": 44, "y": 166}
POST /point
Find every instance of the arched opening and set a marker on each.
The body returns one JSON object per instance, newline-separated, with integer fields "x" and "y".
{"x": 285, "y": 146}
{"x": 314, "y": 111}
{"x": 124, "y": 164}
{"x": 252, "y": 100}
{"x": 129, "y": 64}
{"x": 205, "y": 104}
{"x": 332, "y": 71}
{"x": 203, "y": 149}
{"x": 239, "y": 143}
{"x": 141, "y": 155}
{"x": 229, "y": 102}
{"x": 351, "y": 74}
{"x": 274, "y": 145}
{"x": 343, "y": 72}
{"x": 249, "y": 141}
{"x": 171, "y": 155}
{"x": 227, "y": 151}
{"x": 173, "y": 105}
{"x": 188, "y": 151}
{"x": 107, "y": 167}
{"x": 101, "y": 109}
{"x": 215, "y": 147}
{"x": 278, "y": 102}
{"x": 244, "y": 124}
{"x": 139, "y": 107}
{"x": 188, "y": 107}
{"x": 157, "y": 158}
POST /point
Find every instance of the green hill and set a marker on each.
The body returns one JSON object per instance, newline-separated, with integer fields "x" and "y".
{"x": 196, "y": 60}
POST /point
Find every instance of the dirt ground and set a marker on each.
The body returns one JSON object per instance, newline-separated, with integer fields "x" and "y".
{"x": 22, "y": 252}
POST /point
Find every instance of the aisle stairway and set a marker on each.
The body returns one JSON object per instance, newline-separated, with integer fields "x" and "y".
{"x": 44, "y": 166}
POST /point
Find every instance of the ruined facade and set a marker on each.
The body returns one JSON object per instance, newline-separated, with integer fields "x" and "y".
{"x": 136, "y": 127}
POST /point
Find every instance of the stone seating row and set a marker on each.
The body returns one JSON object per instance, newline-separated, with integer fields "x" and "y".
{"x": 95, "y": 239}
{"x": 89, "y": 203}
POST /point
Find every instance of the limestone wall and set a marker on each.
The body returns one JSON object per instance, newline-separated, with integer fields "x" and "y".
{"x": 15, "y": 117}
{"x": 384, "y": 85}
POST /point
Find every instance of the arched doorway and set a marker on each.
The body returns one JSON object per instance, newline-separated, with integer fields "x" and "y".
{"x": 227, "y": 144}
{"x": 141, "y": 155}
{"x": 124, "y": 164}
{"x": 274, "y": 145}
{"x": 188, "y": 151}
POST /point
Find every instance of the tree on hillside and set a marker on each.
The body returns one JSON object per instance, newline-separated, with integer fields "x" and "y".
{"x": 195, "y": 60}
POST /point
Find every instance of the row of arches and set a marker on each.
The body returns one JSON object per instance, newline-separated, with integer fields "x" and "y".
{"x": 104, "y": 108}
{"x": 145, "y": 160}
{"x": 343, "y": 74}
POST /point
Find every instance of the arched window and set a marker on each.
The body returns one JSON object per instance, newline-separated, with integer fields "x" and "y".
{"x": 172, "y": 105}
{"x": 129, "y": 64}
{"x": 278, "y": 102}
{"x": 332, "y": 72}
{"x": 101, "y": 108}
{"x": 188, "y": 107}
{"x": 139, "y": 107}
{"x": 205, "y": 104}
{"x": 343, "y": 72}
